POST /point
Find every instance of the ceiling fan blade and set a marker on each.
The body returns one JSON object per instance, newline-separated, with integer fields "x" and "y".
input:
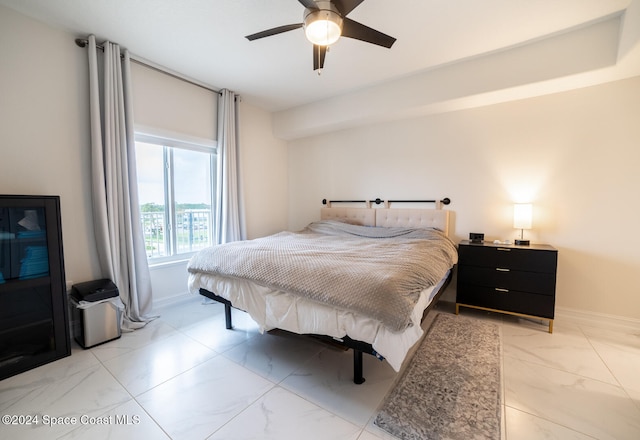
{"x": 353, "y": 29}
{"x": 274, "y": 31}
{"x": 319, "y": 52}
{"x": 346, "y": 6}
{"x": 308, "y": 4}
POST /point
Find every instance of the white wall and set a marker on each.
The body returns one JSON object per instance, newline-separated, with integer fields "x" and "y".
{"x": 44, "y": 129}
{"x": 45, "y": 143}
{"x": 574, "y": 155}
{"x": 264, "y": 162}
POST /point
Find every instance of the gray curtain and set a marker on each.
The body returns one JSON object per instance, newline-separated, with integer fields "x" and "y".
{"x": 116, "y": 215}
{"x": 229, "y": 221}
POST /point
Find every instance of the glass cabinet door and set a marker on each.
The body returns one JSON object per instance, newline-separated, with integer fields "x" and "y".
{"x": 33, "y": 315}
{"x": 23, "y": 239}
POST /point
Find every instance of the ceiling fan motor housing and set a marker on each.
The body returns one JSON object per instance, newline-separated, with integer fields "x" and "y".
{"x": 323, "y": 26}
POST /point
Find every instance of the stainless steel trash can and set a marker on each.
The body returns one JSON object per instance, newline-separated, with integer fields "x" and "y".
{"x": 95, "y": 318}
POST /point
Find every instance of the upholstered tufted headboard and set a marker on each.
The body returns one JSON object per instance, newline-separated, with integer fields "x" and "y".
{"x": 355, "y": 216}
{"x": 390, "y": 217}
{"x": 413, "y": 218}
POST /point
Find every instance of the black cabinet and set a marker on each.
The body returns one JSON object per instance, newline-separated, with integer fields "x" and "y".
{"x": 518, "y": 280}
{"x": 34, "y": 322}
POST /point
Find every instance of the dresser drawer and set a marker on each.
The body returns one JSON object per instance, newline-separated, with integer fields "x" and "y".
{"x": 511, "y": 301}
{"x": 533, "y": 282}
{"x": 518, "y": 280}
{"x": 509, "y": 258}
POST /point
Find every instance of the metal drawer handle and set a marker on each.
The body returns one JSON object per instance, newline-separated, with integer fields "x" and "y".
{"x": 504, "y": 249}
{"x": 501, "y": 290}
{"x": 500, "y": 269}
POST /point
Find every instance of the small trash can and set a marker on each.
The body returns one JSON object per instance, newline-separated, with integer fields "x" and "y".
{"x": 96, "y": 312}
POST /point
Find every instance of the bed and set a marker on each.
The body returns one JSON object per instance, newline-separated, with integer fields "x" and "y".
{"x": 361, "y": 277}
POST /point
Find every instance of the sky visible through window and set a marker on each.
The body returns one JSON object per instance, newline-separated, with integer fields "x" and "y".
{"x": 191, "y": 175}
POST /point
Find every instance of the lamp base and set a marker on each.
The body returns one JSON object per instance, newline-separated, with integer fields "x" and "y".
{"x": 520, "y": 242}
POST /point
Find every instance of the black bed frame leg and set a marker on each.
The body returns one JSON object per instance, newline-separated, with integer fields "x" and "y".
{"x": 227, "y": 316}
{"x": 357, "y": 367}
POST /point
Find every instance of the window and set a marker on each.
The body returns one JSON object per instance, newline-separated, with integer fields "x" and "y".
{"x": 176, "y": 193}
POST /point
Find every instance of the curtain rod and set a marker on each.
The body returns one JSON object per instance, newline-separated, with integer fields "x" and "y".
{"x": 82, "y": 42}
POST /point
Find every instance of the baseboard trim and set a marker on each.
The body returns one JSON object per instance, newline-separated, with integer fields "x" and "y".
{"x": 594, "y": 319}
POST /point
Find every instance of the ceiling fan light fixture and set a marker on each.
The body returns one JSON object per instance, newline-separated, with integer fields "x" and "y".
{"x": 323, "y": 27}
{"x": 324, "y": 22}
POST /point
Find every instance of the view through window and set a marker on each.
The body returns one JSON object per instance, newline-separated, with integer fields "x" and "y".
{"x": 176, "y": 193}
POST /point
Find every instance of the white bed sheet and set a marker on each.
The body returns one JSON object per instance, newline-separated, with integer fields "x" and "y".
{"x": 272, "y": 309}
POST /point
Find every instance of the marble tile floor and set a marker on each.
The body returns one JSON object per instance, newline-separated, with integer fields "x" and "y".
{"x": 185, "y": 377}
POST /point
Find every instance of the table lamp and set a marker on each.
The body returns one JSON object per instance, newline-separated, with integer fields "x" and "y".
{"x": 522, "y": 214}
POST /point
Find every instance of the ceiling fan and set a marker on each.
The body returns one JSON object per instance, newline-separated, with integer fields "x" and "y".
{"x": 324, "y": 22}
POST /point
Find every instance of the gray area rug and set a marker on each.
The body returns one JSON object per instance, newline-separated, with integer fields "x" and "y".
{"x": 451, "y": 388}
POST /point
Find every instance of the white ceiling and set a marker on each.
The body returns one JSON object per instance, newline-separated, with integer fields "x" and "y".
{"x": 204, "y": 39}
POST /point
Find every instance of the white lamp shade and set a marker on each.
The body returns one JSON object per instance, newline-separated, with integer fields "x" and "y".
{"x": 323, "y": 27}
{"x": 522, "y": 215}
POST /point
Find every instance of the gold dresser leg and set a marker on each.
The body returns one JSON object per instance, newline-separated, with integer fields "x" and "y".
{"x": 457, "y": 308}
{"x": 551, "y": 326}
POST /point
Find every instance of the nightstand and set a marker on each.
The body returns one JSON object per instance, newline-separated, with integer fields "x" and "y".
{"x": 517, "y": 280}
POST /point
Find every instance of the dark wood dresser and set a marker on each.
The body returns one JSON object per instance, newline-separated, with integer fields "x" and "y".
{"x": 517, "y": 280}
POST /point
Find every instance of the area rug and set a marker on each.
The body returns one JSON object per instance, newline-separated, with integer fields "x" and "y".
{"x": 451, "y": 388}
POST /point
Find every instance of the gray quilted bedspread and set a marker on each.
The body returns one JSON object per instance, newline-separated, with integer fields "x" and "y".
{"x": 376, "y": 272}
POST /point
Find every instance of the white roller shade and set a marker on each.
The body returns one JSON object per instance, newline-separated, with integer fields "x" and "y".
{"x": 169, "y": 104}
